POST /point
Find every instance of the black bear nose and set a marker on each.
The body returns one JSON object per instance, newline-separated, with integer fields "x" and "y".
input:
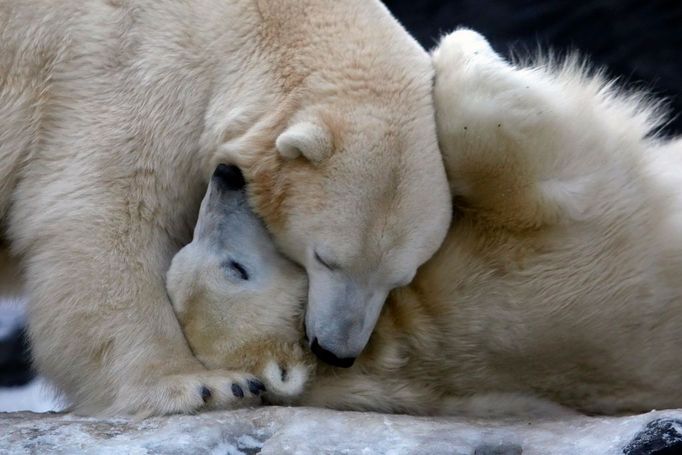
{"x": 329, "y": 357}
{"x": 228, "y": 177}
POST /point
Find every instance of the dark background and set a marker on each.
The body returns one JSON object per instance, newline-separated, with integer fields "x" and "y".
{"x": 638, "y": 41}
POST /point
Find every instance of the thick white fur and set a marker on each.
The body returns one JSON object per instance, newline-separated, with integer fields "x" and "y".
{"x": 560, "y": 277}
{"x": 113, "y": 113}
{"x": 292, "y": 384}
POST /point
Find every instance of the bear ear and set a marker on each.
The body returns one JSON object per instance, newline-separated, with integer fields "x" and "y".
{"x": 306, "y": 139}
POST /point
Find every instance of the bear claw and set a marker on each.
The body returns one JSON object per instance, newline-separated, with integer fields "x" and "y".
{"x": 237, "y": 391}
{"x": 255, "y": 386}
{"x": 205, "y": 394}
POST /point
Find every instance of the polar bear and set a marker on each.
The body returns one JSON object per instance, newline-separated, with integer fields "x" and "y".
{"x": 220, "y": 282}
{"x": 114, "y": 113}
{"x": 558, "y": 281}
{"x": 240, "y": 303}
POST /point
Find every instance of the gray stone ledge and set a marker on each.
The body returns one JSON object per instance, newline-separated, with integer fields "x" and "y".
{"x": 281, "y": 430}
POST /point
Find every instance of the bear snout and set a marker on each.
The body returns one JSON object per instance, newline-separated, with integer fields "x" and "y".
{"x": 330, "y": 357}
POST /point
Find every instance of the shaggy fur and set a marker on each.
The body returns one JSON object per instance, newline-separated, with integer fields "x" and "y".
{"x": 113, "y": 113}
{"x": 560, "y": 277}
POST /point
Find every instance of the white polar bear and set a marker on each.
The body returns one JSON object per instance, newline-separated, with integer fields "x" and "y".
{"x": 559, "y": 279}
{"x": 113, "y": 113}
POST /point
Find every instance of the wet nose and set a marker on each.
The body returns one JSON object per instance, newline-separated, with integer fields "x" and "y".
{"x": 330, "y": 357}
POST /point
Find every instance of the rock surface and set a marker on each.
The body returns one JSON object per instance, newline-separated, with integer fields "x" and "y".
{"x": 280, "y": 430}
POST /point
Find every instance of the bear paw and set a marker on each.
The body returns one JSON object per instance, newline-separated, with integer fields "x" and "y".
{"x": 191, "y": 392}
{"x": 285, "y": 380}
{"x": 461, "y": 47}
{"x": 286, "y": 376}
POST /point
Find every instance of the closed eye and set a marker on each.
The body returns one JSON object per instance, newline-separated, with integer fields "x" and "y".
{"x": 236, "y": 269}
{"x": 326, "y": 264}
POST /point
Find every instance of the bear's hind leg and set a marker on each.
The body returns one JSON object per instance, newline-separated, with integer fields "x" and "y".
{"x": 528, "y": 147}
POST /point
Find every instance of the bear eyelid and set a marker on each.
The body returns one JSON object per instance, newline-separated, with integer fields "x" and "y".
{"x": 326, "y": 264}
{"x": 236, "y": 268}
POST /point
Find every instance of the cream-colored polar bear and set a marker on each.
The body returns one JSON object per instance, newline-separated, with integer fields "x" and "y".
{"x": 559, "y": 278}
{"x": 113, "y": 114}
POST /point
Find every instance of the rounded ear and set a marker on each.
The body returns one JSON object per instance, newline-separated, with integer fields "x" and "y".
{"x": 306, "y": 139}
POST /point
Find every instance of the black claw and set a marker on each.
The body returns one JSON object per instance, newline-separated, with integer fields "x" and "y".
{"x": 237, "y": 391}
{"x": 255, "y": 386}
{"x": 205, "y": 394}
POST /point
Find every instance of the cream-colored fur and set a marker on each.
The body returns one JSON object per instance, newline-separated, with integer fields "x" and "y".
{"x": 232, "y": 255}
{"x": 559, "y": 279}
{"x": 113, "y": 113}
